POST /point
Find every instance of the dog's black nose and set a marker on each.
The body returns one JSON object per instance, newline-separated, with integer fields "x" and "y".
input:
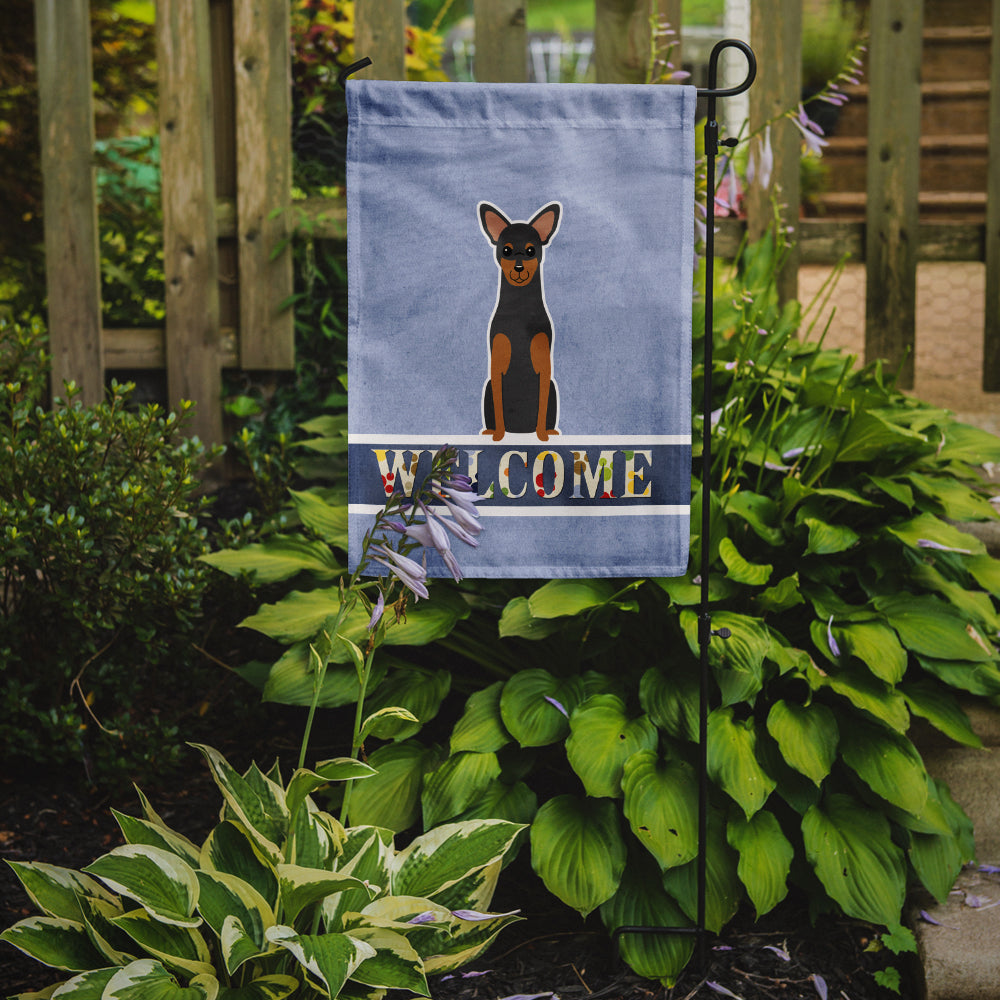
{"x": 518, "y": 265}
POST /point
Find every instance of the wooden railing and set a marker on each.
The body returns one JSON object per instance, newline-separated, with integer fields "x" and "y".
{"x": 226, "y": 160}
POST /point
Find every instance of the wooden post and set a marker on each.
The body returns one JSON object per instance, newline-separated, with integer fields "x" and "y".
{"x": 893, "y": 183}
{"x": 670, "y": 12}
{"x": 72, "y": 256}
{"x": 190, "y": 254}
{"x": 501, "y": 41}
{"x": 380, "y": 34}
{"x": 622, "y": 40}
{"x": 262, "y": 60}
{"x": 776, "y": 35}
{"x": 991, "y": 333}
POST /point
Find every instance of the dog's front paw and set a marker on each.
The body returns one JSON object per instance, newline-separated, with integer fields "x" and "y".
{"x": 497, "y": 434}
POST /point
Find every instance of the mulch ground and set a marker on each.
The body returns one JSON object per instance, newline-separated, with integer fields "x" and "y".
{"x": 58, "y": 820}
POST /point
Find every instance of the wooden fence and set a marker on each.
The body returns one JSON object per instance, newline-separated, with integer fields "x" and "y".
{"x": 224, "y": 109}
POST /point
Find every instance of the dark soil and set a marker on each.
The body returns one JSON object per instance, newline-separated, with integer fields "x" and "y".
{"x": 551, "y": 952}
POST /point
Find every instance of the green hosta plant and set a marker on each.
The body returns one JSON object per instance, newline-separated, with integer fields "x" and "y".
{"x": 279, "y": 900}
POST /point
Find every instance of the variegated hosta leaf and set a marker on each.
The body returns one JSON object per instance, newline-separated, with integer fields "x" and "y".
{"x": 807, "y": 736}
{"x": 661, "y": 799}
{"x": 602, "y": 737}
{"x": 850, "y": 847}
{"x": 476, "y": 890}
{"x": 765, "y": 858}
{"x": 147, "y": 979}
{"x": 256, "y": 801}
{"x": 300, "y": 887}
{"x": 732, "y": 760}
{"x": 98, "y": 915}
{"x": 642, "y": 902}
{"x": 329, "y": 959}
{"x": 177, "y": 947}
{"x": 391, "y": 799}
{"x": 225, "y": 897}
{"x": 417, "y": 690}
{"x": 315, "y": 838}
{"x": 481, "y": 727}
{"x": 535, "y": 706}
{"x": 141, "y": 831}
{"x": 54, "y": 941}
{"x": 578, "y": 851}
{"x": 456, "y": 784}
{"x": 367, "y": 853}
{"x": 466, "y": 941}
{"x": 723, "y": 889}
{"x": 160, "y": 882}
{"x": 888, "y": 763}
{"x": 304, "y": 782}
{"x": 230, "y": 849}
{"x": 395, "y": 964}
{"x": 56, "y": 891}
{"x": 86, "y": 986}
{"x": 274, "y": 987}
{"x": 441, "y": 857}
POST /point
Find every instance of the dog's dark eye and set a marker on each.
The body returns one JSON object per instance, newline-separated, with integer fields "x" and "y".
{"x": 529, "y": 251}
{"x": 508, "y": 250}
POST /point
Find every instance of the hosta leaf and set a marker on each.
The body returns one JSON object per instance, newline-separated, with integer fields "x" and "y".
{"x": 965, "y": 443}
{"x": 141, "y": 831}
{"x": 671, "y": 699}
{"x": 415, "y": 689}
{"x": 683, "y": 591}
{"x": 941, "y": 709}
{"x": 465, "y": 941}
{"x": 387, "y": 723}
{"x": 230, "y": 849}
{"x": 456, "y": 784}
{"x": 304, "y": 782}
{"x": 850, "y": 848}
{"x": 661, "y": 799}
{"x": 739, "y": 569}
{"x": 602, "y": 738}
{"x": 986, "y": 571}
{"x": 723, "y": 889}
{"x": 280, "y": 557}
{"x": 932, "y": 628}
{"x": 870, "y": 435}
{"x": 866, "y": 692}
{"x": 180, "y": 948}
{"x": 937, "y": 860}
{"x": 529, "y": 706}
{"x": 328, "y": 520}
{"x": 783, "y": 595}
{"x": 292, "y": 681}
{"x": 86, "y": 986}
{"x": 758, "y": 511}
{"x": 56, "y": 891}
{"x": 827, "y": 539}
{"x": 765, "y": 858}
{"x": 441, "y": 857}
{"x": 732, "y": 760}
{"x": 957, "y": 501}
{"x": 301, "y": 887}
{"x": 274, "y": 987}
{"x": 391, "y": 798}
{"x": 54, "y": 941}
{"x": 876, "y": 646}
{"x": 641, "y": 901}
{"x": 888, "y": 763}
{"x": 928, "y": 528}
{"x": 481, "y": 728}
{"x": 147, "y": 979}
{"x": 578, "y": 851}
{"x": 517, "y": 620}
{"x": 559, "y": 598}
{"x": 807, "y": 736}
{"x": 976, "y": 605}
{"x": 395, "y": 964}
{"x": 366, "y": 855}
{"x": 330, "y": 959}
{"x": 738, "y": 661}
{"x": 976, "y": 678}
{"x": 225, "y": 897}
{"x": 159, "y": 881}
{"x": 515, "y": 803}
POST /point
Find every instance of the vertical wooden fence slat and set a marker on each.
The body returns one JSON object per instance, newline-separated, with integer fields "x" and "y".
{"x": 72, "y": 257}
{"x": 501, "y": 40}
{"x": 776, "y": 36}
{"x": 892, "y": 217}
{"x": 621, "y": 40}
{"x": 380, "y": 34}
{"x": 190, "y": 254}
{"x": 261, "y": 57}
{"x": 991, "y": 332}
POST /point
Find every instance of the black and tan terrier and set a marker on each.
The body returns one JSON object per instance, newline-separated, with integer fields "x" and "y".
{"x": 520, "y": 395}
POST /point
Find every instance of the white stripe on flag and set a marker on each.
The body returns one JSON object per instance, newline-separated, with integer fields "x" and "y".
{"x": 668, "y": 510}
{"x": 468, "y": 441}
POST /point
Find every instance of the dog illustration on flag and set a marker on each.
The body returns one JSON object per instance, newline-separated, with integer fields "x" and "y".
{"x": 520, "y": 395}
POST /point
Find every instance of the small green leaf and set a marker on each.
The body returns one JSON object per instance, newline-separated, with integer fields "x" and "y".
{"x": 930, "y": 627}
{"x": 279, "y": 558}
{"x": 559, "y": 598}
{"x": 456, "y": 784}
{"x": 481, "y": 727}
{"x": 517, "y": 620}
{"x": 671, "y": 699}
{"x": 391, "y": 798}
{"x": 807, "y": 736}
{"x": 327, "y": 520}
{"x": 936, "y": 704}
{"x": 732, "y": 760}
{"x": 888, "y": 763}
{"x": 739, "y": 569}
{"x": 765, "y": 858}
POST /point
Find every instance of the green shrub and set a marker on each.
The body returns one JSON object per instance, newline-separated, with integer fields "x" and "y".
{"x": 854, "y": 603}
{"x": 99, "y": 541}
{"x": 279, "y": 900}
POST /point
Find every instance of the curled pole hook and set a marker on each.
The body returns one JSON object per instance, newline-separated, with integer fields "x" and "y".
{"x": 349, "y": 70}
{"x": 713, "y": 91}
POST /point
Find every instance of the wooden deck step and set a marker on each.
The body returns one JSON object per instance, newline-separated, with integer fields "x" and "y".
{"x": 945, "y": 104}
{"x": 957, "y": 206}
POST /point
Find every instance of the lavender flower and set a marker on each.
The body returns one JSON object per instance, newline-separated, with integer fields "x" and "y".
{"x": 761, "y": 163}
{"x": 811, "y": 132}
{"x": 377, "y": 612}
{"x": 834, "y": 648}
{"x": 411, "y": 574}
{"x": 557, "y": 704}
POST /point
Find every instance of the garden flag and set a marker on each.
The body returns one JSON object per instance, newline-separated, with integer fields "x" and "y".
{"x": 520, "y": 262}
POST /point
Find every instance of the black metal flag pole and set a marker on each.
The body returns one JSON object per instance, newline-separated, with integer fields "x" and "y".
{"x": 705, "y": 631}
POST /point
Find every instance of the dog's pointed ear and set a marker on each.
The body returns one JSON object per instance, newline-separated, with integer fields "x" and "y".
{"x": 492, "y": 220}
{"x": 546, "y": 222}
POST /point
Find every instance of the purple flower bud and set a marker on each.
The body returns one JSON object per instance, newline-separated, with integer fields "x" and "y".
{"x": 427, "y": 917}
{"x": 558, "y": 705}
{"x": 820, "y": 983}
{"x": 377, "y": 612}
{"x": 834, "y": 648}
{"x": 475, "y": 915}
{"x": 411, "y": 574}
{"x": 927, "y": 543}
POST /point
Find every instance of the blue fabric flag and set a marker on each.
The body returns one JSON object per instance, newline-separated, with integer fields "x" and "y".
{"x": 520, "y": 261}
